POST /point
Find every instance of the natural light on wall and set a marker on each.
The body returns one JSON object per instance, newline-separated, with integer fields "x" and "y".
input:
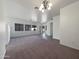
{"x": 44, "y": 18}
{"x": 34, "y": 16}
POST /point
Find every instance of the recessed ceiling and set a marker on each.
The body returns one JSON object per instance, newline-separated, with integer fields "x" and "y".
{"x": 57, "y": 4}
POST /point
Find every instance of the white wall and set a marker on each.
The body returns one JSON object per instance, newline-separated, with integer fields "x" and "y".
{"x": 14, "y": 33}
{"x": 56, "y": 24}
{"x": 17, "y": 13}
{"x": 16, "y": 10}
{"x": 48, "y": 32}
{"x": 3, "y": 32}
{"x": 69, "y": 25}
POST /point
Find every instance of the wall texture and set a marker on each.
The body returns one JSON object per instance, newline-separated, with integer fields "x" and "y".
{"x": 16, "y": 10}
{"x": 69, "y": 25}
{"x": 48, "y": 32}
{"x": 3, "y": 36}
{"x": 56, "y": 24}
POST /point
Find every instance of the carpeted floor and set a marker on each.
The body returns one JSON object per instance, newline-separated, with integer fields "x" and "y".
{"x": 35, "y": 47}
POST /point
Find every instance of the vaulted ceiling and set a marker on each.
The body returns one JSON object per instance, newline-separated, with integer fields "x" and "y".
{"x": 57, "y": 4}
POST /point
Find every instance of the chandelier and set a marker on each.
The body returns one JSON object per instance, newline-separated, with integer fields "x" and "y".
{"x": 46, "y": 5}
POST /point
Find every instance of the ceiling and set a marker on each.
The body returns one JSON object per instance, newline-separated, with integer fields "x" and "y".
{"x": 60, "y": 4}
{"x": 57, "y": 4}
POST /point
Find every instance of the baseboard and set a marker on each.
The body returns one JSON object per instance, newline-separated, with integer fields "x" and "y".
{"x": 57, "y": 40}
{"x": 65, "y": 45}
{"x": 69, "y": 47}
{"x": 23, "y": 36}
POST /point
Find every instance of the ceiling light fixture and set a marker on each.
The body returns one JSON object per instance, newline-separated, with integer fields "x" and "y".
{"x": 46, "y": 5}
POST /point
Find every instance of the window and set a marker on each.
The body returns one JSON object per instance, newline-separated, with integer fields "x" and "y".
{"x": 19, "y": 27}
{"x": 34, "y": 27}
{"x": 27, "y": 27}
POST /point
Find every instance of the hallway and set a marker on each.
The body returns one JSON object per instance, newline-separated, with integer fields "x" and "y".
{"x": 23, "y": 20}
